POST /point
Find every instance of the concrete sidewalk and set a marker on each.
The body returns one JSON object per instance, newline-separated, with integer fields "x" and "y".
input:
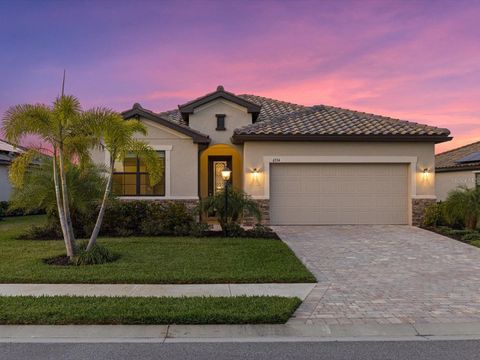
{"x": 289, "y": 290}
{"x": 235, "y": 333}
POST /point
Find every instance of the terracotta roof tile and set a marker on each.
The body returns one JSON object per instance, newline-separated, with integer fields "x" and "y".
{"x": 328, "y": 120}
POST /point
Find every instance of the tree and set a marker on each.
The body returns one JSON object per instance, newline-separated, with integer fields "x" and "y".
{"x": 463, "y": 203}
{"x": 62, "y": 128}
{"x": 117, "y": 139}
{"x": 38, "y": 190}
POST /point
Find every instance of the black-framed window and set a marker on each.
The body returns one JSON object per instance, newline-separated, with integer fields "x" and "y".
{"x": 220, "y": 122}
{"x": 477, "y": 179}
{"x": 131, "y": 178}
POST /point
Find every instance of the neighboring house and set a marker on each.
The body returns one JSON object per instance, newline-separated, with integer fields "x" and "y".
{"x": 303, "y": 165}
{"x": 7, "y": 154}
{"x": 457, "y": 167}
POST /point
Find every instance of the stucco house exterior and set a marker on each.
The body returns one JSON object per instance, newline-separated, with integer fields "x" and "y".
{"x": 303, "y": 165}
{"x": 457, "y": 167}
{"x": 7, "y": 154}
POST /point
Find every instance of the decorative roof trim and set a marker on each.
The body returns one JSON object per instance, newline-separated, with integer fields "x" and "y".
{"x": 138, "y": 111}
{"x": 220, "y": 93}
{"x": 240, "y": 139}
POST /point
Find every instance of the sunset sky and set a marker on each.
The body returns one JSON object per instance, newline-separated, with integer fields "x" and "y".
{"x": 415, "y": 60}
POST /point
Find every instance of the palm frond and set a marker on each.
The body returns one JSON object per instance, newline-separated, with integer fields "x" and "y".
{"x": 19, "y": 167}
{"x": 26, "y": 119}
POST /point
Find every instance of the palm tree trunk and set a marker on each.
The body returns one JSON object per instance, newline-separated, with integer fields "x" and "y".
{"x": 61, "y": 212}
{"x": 101, "y": 213}
{"x": 66, "y": 206}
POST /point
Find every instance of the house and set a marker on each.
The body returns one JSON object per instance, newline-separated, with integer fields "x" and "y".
{"x": 7, "y": 154}
{"x": 457, "y": 167}
{"x": 302, "y": 164}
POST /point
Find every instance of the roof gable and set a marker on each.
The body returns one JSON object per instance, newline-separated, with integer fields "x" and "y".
{"x": 138, "y": 111}
{"x": 188, "y": 108}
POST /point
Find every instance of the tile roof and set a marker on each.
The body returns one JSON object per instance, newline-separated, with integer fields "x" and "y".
{"x": 328, "y": 120}
{"x": 271, "y": 108}
{"x": 448, "y": 159}
{"x": 280, "y": 118}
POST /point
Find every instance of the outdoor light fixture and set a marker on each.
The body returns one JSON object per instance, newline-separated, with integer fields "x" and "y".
{"x": 226, "y": 172}
{"x": 425, "y": 173}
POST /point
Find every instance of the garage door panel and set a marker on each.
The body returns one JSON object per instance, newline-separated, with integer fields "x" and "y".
{"x": 339, "y": 194}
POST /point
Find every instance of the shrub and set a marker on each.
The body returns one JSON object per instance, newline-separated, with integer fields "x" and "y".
{"x": 233, "y": 230}
{"x": 434, "y": 215}
{"x": 472, "y": 236}
{"x": 239, "y": 204}
{"x": 7, "y": 210}
{"x": 261, "y": 231}
{"x": 49, "y": 231}
{"x": 98, "y": 254}
{"x": 167, "y": 219}
{"x": 463, "y": 205}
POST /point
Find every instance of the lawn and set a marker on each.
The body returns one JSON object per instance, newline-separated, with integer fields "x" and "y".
{"x": 152, "y": 260}
{"x": 62, "y": 310}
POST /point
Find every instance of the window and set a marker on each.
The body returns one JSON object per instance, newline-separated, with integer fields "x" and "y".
{"x": 477, "y": 179}
{"x": 130, "y": 177}
{"x": 220, "y": 122}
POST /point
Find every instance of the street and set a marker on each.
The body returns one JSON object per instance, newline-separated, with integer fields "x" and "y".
{"x": 386, "y": 350}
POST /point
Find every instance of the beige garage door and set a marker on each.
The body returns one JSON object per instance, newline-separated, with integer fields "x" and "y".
{"x": 327, "y": 194}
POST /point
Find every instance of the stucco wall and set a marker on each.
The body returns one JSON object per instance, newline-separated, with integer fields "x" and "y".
{"x": 205, "y": 121}
{"x": 183, "y": 158}
{"x": 5, "y": 187}
{"x": 448, "y": 181}
{"x": 254, "y": 153}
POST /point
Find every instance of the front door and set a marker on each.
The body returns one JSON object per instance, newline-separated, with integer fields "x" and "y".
{"x": 215, "y": 167}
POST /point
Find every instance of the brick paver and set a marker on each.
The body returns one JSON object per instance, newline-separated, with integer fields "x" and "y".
{"x": 385, "y": 275}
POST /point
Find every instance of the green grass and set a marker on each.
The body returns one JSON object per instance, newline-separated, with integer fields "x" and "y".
{"x": 62, "y": 310}
{"x": 150, "y": 260}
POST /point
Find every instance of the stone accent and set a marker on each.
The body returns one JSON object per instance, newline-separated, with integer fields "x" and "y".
{"x": 264, "y": 205}
{"x": 418, "y": 210}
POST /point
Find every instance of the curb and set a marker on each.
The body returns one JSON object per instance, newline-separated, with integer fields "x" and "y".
{"x": 236, "y": 333}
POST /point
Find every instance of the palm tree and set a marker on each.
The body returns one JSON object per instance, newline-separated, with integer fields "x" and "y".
{"x": 62, "y": 128}
{"x": 38, "y": 190}
{"x": 117, "y": 139}
{"x": 239, "y": 203}
{"x": 464, "y": 204}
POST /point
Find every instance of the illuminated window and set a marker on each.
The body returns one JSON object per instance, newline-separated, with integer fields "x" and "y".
{"x": 130, "y": 177}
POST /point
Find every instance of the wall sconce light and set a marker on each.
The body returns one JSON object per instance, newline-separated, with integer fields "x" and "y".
{"x": 255, "y": 176}
{"x": 425, "y": 173}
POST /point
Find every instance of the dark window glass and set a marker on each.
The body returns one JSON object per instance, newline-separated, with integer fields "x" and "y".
{"x": 477, "y": 179}
{"x": 220, "y": 122}
{"x": 131, "y": 178}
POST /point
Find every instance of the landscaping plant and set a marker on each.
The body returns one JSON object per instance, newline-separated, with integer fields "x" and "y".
{"x": 464, "y": 204}
{"x": 239, "y": 204}
{"x": 69, "y": 134}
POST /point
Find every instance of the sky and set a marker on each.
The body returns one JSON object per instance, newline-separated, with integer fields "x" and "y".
{"x": 413, "y": 60}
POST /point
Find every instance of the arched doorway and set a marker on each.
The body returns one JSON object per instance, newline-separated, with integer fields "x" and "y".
{"x": 212, "y": 161}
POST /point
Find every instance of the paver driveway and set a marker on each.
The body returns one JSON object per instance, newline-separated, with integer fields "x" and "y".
{"x": 385, "y": 274}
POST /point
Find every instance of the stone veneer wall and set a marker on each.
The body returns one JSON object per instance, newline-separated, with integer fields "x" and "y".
{"x": 418, "y": 210}
{"x": 264, "y": 205}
